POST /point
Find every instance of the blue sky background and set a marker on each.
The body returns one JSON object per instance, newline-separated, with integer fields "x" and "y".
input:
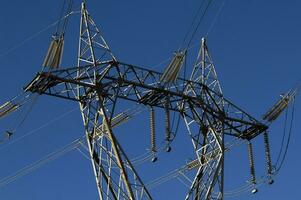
{"x": 255, "y": 46}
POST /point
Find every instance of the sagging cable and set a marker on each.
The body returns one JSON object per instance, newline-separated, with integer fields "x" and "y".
{"x": 34, "y": 166}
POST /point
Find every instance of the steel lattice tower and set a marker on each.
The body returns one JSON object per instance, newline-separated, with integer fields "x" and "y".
{"x": 99, "y": 80}
{"x": 207, "y": 136}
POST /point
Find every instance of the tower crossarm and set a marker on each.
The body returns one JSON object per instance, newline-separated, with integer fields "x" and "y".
{"x": 143, "y": 86}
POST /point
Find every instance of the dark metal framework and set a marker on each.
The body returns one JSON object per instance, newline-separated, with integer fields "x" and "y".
{"x": 98, "y": 83}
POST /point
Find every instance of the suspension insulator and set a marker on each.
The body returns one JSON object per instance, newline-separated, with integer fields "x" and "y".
{"x": 268, "y": 156}
{"x": 167, "y": 126}
{"x": 152, "y": 131}
{"x": 251, "y": 162}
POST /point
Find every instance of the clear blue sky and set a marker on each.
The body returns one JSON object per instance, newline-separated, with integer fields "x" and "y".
{"x": 255, "y": 46}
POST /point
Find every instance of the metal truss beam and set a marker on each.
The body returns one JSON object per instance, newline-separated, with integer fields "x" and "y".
{"x": 143, "y": 86}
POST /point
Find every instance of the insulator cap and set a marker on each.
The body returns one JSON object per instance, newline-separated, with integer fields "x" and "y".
{"x": 271, "y": 181}
{"x": 254, "y": 191}
{"x": 154, "y": 159}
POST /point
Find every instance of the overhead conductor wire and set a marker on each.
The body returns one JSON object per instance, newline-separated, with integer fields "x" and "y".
{"x": 35, "y": 35}
{"x": 37, "y": 129}
{"x": 278, "y": 168}
{"x": 33, "y": 166}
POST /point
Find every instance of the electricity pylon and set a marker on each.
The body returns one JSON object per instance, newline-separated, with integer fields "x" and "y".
{"x": 98, "y": 83}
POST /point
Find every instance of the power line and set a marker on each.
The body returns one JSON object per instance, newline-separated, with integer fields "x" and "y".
{"x": 216, "y": 17}
{"x": 199, "y": 22}
{"x": 193, "y": 21}
{"x": 288, "y": 139}
{"x": 34, "y": 166}
{"x": 37, "y": 129}
{"x": 283, "y": 138}
{"x": 35, "y": 35}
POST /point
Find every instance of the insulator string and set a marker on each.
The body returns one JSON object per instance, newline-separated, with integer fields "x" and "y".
{"x": 167, "y": 125}
{"x": 268, "y": 153}
{"x": 153, "y": 134}
{"x": 251, "y": 162}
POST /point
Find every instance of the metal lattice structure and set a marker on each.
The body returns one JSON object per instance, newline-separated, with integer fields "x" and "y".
{"x": 99, "y": 81}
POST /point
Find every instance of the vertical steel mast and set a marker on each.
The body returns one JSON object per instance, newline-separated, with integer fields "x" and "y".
{"x": 206, "y": 132}
{"x": 115, "y": 176}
